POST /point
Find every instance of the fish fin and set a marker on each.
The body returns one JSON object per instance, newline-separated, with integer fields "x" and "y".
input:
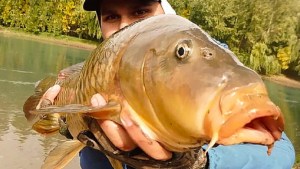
{"x": 88, "y": 138}
{"x": 48, "y": 124}
{"x": 40, "y": 88}
{"x": 116, "y": 164}
{"x": 63, "y": 109}
{"x": 109, "y": 111}
{"x": 71, "y": 70}
{"x": 61, "y": 155}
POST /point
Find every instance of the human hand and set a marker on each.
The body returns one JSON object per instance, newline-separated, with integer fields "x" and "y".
{"x": 126, "y": 137}
{"x": 129, "y": 135}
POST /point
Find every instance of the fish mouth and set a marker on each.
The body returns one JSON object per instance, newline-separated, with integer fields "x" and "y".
{"x": 251, "y": 117}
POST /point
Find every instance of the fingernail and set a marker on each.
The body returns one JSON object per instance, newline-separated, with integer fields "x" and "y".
{"x": 100, "y": 99}
{"x": 55, "y": 88}
{"x": 94, "y": 101}
{"x": 126, "y": 121}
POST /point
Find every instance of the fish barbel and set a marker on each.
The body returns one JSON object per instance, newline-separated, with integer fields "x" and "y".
{"x": 181, "y": 87}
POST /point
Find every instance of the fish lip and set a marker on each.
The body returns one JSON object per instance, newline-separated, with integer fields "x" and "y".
{"x": 248, "y": 109}
{"x": 265, "y": 125}
{"x": 260, "y": 131}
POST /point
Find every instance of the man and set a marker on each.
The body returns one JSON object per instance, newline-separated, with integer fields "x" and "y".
{"x": 113, "y": 15}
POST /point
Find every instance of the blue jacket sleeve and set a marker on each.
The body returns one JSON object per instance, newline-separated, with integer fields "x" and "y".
{"x": 249, "y": 156}
{"x": 241, "y": 156}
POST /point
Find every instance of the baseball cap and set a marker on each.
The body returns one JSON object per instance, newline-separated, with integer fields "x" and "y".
{"x": 93, "y": 5}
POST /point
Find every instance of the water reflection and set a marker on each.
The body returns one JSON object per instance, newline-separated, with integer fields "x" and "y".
{"x": 22, "y": 63}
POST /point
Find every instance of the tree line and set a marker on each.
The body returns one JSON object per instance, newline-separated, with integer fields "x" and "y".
{"x": 265, "y": 35}
{"x": 60, "y": 17}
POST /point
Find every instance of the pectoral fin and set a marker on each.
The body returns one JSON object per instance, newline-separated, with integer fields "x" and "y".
{"x": 110, "y": 111}
{"x": 61, "y": 155}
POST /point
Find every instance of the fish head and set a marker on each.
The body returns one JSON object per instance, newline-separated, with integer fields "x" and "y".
{"x": 191, "y": 89}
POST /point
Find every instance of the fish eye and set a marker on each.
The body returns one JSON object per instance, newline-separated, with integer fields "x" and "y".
{"x": 183, "y": 49}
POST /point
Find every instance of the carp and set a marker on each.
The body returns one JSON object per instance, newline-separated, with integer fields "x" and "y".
{"x": 181, "y": 87}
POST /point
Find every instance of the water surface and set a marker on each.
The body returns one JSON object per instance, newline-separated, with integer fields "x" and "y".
{"x": 22, "y": 63}
{"x": 288, "y": 99}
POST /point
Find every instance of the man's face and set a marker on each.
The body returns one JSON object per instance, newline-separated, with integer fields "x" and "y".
{"x": 116, "y": 14}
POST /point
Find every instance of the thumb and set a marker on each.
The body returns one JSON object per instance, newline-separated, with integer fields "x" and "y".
{"x": 49, "y": 96}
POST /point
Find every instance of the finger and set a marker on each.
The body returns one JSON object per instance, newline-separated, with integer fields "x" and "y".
{"x": 98, "y": 100}
{"x": 117, "y": 135}
{"x": 48, "y": 97}
{"x": 150, "y": 147}
{"x": 51, "y": 93}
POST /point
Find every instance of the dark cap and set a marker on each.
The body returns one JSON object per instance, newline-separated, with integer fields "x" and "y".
{"x": 93, "y": 5}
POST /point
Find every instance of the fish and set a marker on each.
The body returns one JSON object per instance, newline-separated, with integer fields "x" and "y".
{"x": 177, "y": 83}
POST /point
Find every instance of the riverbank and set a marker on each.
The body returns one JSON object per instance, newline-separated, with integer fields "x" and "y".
{"x": 49, "y": 38}
{"x": 283, "y": 80}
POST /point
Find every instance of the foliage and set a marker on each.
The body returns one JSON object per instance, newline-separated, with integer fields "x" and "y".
{"x": 265, "y": 35}
{"x": 60, "y": 17}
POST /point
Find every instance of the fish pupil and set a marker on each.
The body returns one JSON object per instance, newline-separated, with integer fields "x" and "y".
{"x": 181, "y": 51}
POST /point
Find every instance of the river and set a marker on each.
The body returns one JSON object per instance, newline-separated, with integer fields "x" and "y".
{"x": 24, "y": 61}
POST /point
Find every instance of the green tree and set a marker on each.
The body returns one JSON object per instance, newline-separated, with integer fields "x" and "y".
{"x": 261, "y": 33}
{"x": 60, "y": 17}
